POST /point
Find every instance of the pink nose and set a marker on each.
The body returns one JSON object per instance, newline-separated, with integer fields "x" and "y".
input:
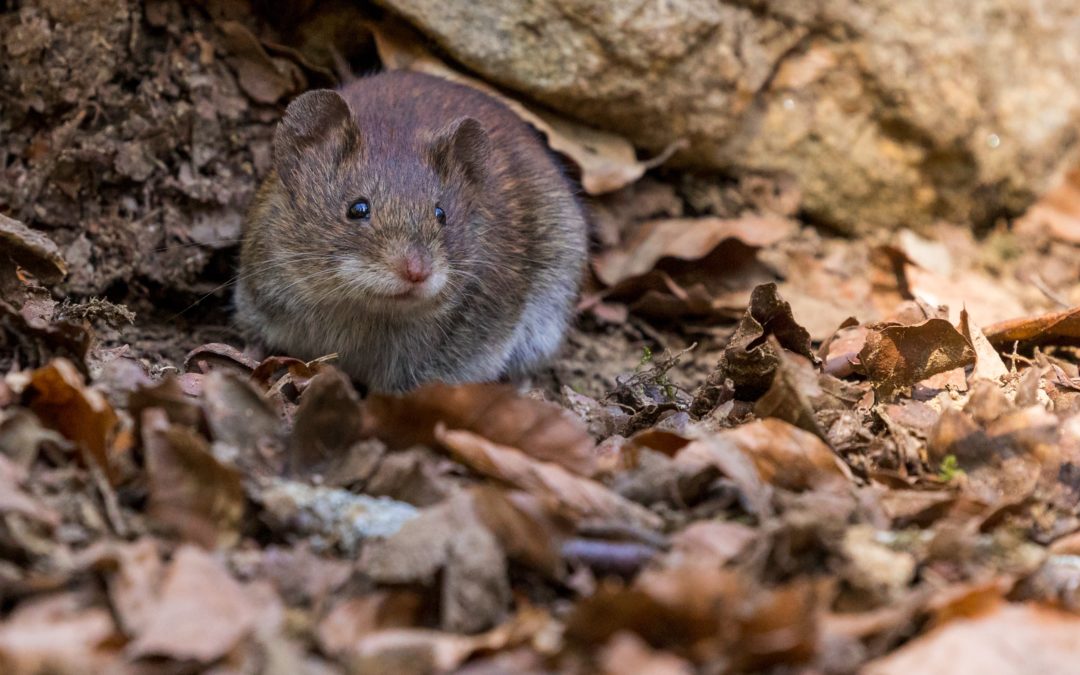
{"x": 415, "y": 267}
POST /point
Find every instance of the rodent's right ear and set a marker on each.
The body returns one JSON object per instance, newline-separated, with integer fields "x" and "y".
{"x": 312, "y": 118}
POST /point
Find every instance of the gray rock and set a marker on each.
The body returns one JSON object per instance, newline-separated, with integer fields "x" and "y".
{"x": 886, "y": 112}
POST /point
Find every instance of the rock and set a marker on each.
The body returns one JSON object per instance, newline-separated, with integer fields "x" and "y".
{"x": 886, "y": 113}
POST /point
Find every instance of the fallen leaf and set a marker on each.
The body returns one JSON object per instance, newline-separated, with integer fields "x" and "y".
{"x": 1058, "y": 328}
{"x": 217, "y": 356}
{"x": 710, "y": 542}
{"x": 133, "y": 573}
{"x": 419, "y": 652}
{"x": 497, "y": 412}
{"x": 788, "y": 457}
{"x": 627, "y": 653}
{"x": 355, "y": 618}
{"x": 58, "y": 634}
{"x": 58, "y": 396}
{"x": 301, "y": 576}
{"x": 263, "y": 78}
{"x": 750, "y": 360}
{"x": 447, "y": 540}
{"x": 14, "y": 500}
{"x": 988, "y": 363}
{"x": 581, "y": 497}
{"x": 685, "y": 239}
{"x": 1013, "y": 639}
{"x": 1056, "y": 214}
{"x": 328, "y": 424}
{"x": 243, "y": 426}
{"x": 30, "y": 250}
{"x": 191, "y": 491}
{"x": 792, "y": 393}
{"x": 201, "y": 612}
{"x": 897, "y": 357}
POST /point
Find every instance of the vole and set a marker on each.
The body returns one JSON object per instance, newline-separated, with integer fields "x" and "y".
{"x": 415, "y": 227}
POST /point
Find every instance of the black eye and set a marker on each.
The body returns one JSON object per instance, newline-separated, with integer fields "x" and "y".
{"x": 360, "y": 210}
{"x": 440, "y": 215}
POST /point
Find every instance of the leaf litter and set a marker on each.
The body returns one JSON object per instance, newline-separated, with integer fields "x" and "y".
{"x": 765, "y": 448}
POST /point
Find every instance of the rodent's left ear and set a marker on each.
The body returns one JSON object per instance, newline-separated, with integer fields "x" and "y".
{"x": 462, "y": 147}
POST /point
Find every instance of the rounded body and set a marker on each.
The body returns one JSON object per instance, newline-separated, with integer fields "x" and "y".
{"x": 416, "y": 228}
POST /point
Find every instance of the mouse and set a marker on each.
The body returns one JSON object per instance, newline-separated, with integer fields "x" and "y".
{"x": 418, "y": 229}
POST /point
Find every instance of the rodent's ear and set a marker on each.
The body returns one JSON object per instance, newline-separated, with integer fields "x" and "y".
{"x": 311, "y": 118}
{"x": 462, "y": 147}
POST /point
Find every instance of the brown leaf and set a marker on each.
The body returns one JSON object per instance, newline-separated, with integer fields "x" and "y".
{"x": 523, "y": 526}
{"x": 419, "y": 652}
{"x": 581, "y": 497}
{"x": 302, "y": 577}
{"x": 712, "y": 542}
{"x": 58, "y": 634}
{"x": 725, "y": 456}
{"x": 704, "y": 613}
{"x": 14, "y": 500}
{"x": 788, "y": 457}
{"x": 1012, "y": 639}
{"x": 168, "y": 396}
{"x": 241, "y": 419}
{"x": 988, "y": 363}
{"x": 897, "y": 357}
{"x": 1003, "y": 461}
{"x": 263, "y": 78}
{"x": 133, "y": 573}
{"x": 627, "y": 653}
{"x": 685, "y": 239}
{"x": 792, "y": 393}
{"x": 497, "y": 412}
{"x": 58, "y": 396}
{"x": 447, "y": 538}
{"x": 1059, "y": 328}
{"x": 217, "y": 356}
{"x": 201, "y": 613}
{"x": 277, "y": 374}
{"x": 749, "y": 360}
{"x": 357, "y": 617}
{"x": 191, "y": 491}
{"x": 607, "y": 161}
{"x": 328, "y": 424}
{"x": 31, "y": 250}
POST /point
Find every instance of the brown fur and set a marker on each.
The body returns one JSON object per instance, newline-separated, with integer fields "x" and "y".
{"x": 512, "y": 249}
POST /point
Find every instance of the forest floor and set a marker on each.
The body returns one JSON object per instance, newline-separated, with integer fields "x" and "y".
{"x": 765, "y": 447}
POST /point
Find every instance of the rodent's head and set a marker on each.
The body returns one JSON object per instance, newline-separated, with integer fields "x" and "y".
{"x": 384, "y": 216}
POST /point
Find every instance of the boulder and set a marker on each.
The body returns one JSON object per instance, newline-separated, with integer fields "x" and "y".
{"x": 886, "y": 113}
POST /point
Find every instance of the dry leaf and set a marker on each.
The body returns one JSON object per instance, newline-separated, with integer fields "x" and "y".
{"x": 201, "y": 612}
{"x": 58, "y": 634}
{"x": 1011, "y": 640}
{"x": 263, "y": 78}
{"x": 1059, "y": 328}
{"x": 82, "y": 414}
{"x": 988, "y": 363}
{"x": 581, "y": 497}
{"x": 787, "y": 456}
{"x": 497, "y": 412}
{"x": 31, "y": 250}
{"x": 897, "y": 357}
{"x": 686, "y": 239}
{"x": 450, "y": 541}
{"x": 191, "y": 491}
